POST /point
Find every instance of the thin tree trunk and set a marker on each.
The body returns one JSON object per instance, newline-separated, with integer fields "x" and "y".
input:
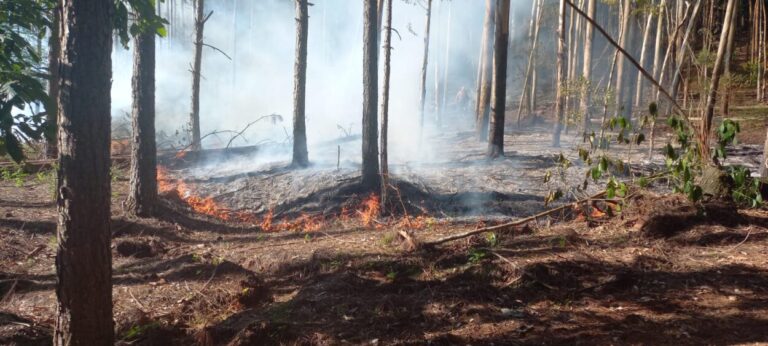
{"x": 54, "y": 54}
{"x": 728, "y": 57}
{"x": 385, "y": 107}
{"x": 83, "y": 255}
{"x": 570, "y": 43}
{"x": 447, "y": 63}
{"x": 679, "y": 61}
{"x": 529, "y": 70}
{"x": 142, "y": 194}
{"x": 481, "y": 124}
{"x": 709, "y": 114}
{"x": 643, "y": 55}
{"x": 560, "y": 81}
{"x": 300, "y": 156}
{"x": 620, "y": 70}
{"x": 194, "y": 120}
{"x": 483, "y": 88}
{"x": 370, "y": 148}
{"x": 484, "y": 107}
{"x": 424, "y": 65}
{"x": 586, "y": 96}
{"x": 500, "y": 46}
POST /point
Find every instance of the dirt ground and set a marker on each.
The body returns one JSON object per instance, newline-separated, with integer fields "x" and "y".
{"x": 660, "y": 272}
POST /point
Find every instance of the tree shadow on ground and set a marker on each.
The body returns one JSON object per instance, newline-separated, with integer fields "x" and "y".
{"x": 357, "y": 299}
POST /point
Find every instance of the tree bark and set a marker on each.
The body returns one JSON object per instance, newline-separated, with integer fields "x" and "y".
{"x": 446, "y": 66}
{"x": 370, "y": 149}
{"x": 530, "y": 70}
{"x": 194, "y": 120}
{"x": 385, "y": 107}
{"x": 83, "y": 256}
{"x": 586, "y": 96}
{"x": 680, "y": 60}
{"x": 728, "y": 57}
{"x": 54, "y": 54}
{"x": 560, "y": 84}
{"x": 500, "y": 46}
{"x": 620, "y": 69}
{"x": 484, "y": 85}
{"x": 709, "y": 112}
{"x": 300, "y": 156}
{"x": 643, "y": 56}
{"x": 142, "y": 193}
{"x": 424, "y": 66}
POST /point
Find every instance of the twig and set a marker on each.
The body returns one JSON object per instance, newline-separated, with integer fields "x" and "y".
{"x": 740, "y": 243}
{"x": 211, "y": 278}
{"x": 218, "y": 50}
{"x": 512, "y": 224}
{"x": 141, "y": 306}
{"x": 273, "y": 116}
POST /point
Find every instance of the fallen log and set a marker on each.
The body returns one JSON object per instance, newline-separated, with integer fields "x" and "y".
{"x": 516, "y": 223}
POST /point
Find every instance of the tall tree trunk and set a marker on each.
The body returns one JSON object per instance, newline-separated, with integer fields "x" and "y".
{"x": 709, "y": 112}
{"x": 533, "y": 36}
{"x": 142, "y": 194}
{"x": 83, "y": 256}
{"x": 300, "y": 156}
{"x": 484, "y": 74}
{"x": 54, "y": 54}
{"x": 621, "y": 71}
{"x": 500, "y": 46}
{"x": 424, "y": 66}
{"x": 680, "y": 60}
{"x": 194, "y": 120}
{"x": 586, "y": 96}
{"x": 385, "y": 107}
{"x": 370, "y": 150}
{"x": 560, "y": 84}
{"x": 643, "y": 56}
{"x": 727, "y": 62}
{"x": 446, "y": 66}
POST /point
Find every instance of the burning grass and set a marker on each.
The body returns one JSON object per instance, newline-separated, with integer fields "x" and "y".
{"x": 354, "y": 212}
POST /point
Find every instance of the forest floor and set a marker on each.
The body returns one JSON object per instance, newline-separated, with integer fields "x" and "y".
{"x": 658, "y": 272}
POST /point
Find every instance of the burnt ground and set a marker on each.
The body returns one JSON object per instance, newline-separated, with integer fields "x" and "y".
{"x": 659, "y": 272}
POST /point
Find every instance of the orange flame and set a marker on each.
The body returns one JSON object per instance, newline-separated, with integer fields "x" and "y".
{"x": 370, "y": 210}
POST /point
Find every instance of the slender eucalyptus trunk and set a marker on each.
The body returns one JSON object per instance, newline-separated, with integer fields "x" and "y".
{"x": 709, "y": 112}
{"x": 620, "y": 67}
{"x": 194, "y": 120}
{"x": 483, "y": 107}
{"x": 680, "y": 60}
{"x": 500, "y": 47}
{"x": 446, "y": 65}
{"x": 560, "y": 85}
{"x": 424, "y": 66}
{"x": 643, "y": 57}
{"x": 727, "y": 62}
{"x": 300, "y": 155}
{"x": 384, "y": 164}
{"x": 586, "y": 96}
{"x": 83, "y": 255}
{"x": 530, "y": 69}
{"x": 483, "y": 71}
{"x": 370, "y": 148}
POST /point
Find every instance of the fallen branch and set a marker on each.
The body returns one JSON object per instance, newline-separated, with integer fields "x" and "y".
{"x": 516, "y": 223}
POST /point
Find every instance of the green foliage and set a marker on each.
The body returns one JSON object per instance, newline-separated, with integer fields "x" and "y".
{"x": 477, "y": 255}
{"x": 726, "y": 135}
{"x": 22, "y": 93}
{"x": 134, "y": 17}
{"x": 492, "y": 239}
{"x": 17, "y": 176}
{"x": 746, "y": 190}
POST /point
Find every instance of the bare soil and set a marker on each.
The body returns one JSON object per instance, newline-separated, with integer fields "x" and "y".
{"x": 661, "y": 271}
